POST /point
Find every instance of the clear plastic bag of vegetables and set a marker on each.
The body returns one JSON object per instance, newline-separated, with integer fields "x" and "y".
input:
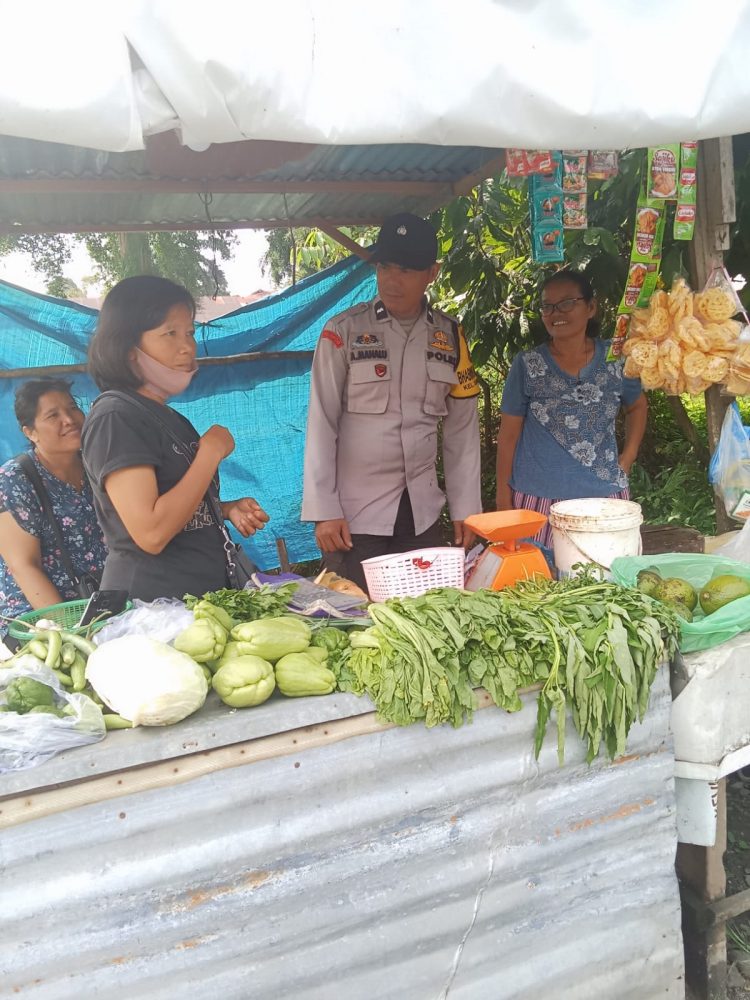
{"x": 40, "y": 718}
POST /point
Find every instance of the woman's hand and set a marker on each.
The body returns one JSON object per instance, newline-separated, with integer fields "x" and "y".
{"x": 246, "y": 515}
{"x": 219, "y": 441}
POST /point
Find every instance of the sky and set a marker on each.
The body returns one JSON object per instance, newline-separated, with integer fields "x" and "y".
{"x": 243, "y": 271}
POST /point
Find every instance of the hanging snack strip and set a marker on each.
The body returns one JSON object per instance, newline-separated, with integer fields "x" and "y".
{"x": 684, "y": 217}
{"x": 660, "y": 185}
{"x": 546, "y": 204}
{"x": 527, "y": 162}
{"x": 575, "y": 187}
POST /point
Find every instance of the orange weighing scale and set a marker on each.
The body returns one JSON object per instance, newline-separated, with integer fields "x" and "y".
{"x": 506, "y": 560}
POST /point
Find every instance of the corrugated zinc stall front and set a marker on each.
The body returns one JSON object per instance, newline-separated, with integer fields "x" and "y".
{"x": 302, "y": 850}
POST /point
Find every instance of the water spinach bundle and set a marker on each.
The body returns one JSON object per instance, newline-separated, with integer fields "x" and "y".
{"x": 594, "y": 646}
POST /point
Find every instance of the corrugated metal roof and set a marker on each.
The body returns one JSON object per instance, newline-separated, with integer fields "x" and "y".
{"x": 399, "y": 863}
{"x": 54, "y": 188}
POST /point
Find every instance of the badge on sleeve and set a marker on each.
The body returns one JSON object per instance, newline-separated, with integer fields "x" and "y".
{"x": 467, "y": 378}
{"x": 333, "y": 337}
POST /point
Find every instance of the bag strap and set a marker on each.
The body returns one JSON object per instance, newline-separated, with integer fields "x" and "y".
{"x": 26, "y": 464}
{"x": 213, "y": 502}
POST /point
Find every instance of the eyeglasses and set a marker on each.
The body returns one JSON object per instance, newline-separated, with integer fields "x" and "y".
{"x": 563, "y": 306}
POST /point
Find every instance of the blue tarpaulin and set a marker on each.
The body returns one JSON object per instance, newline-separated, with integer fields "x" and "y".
{"x": 262, "y": 402}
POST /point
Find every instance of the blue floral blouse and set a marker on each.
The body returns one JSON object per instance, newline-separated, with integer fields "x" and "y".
{"x": 567, "y": 447}
{"x": 75, "y": 515}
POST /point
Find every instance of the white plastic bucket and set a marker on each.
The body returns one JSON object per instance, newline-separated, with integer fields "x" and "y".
{"x": 594, "y": 530}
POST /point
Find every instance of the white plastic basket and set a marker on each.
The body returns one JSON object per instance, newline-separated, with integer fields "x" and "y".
{"x": 410, "y": 574}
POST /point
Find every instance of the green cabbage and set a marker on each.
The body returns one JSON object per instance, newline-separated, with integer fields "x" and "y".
{"x": 146, "y": 681}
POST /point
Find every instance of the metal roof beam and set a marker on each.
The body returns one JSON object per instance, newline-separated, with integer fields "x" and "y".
{"x": 178, "y": 226}
{"x": 152, "y": 185}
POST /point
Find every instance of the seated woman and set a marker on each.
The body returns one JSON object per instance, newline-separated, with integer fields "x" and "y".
{"x": 32, "y": 569}
{"x": 154, "y": 477}
{"x": 557, "y": 431}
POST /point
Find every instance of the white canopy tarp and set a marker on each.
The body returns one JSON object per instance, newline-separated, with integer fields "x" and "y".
{"x": 527, "y": 73}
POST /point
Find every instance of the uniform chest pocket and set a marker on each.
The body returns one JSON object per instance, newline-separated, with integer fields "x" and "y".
{"x": 368, "y": 388}
{"x": 440, "y": 380}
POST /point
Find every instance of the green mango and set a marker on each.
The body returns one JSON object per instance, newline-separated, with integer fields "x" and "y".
{"x": 648, "y": 580}
{"x": 675, "y": 589}
{"x": 722, "y": 590}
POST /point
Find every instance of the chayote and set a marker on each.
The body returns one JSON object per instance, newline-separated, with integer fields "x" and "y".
{"x": 272, "y": 638}
{"x": 299, "y": 675}
{"x": 204, "y": 640}
{"x": 244, "y": 681}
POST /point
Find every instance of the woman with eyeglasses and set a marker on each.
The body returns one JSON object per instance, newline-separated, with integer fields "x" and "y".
{"x": 557, "y": 433}
{"x": 33, "y": 572}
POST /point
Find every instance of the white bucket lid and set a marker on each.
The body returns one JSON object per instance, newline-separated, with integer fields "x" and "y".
{"x": 595, "y": 514}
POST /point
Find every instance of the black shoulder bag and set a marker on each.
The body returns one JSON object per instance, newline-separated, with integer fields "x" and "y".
{"x": 240, "y": 567}
{"x": 84, "y": 584}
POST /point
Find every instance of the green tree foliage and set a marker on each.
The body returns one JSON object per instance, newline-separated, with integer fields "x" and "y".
{"x": 48, "y": 253}
{"x": 192, "y": 259}
{"x": 293, "y": 255}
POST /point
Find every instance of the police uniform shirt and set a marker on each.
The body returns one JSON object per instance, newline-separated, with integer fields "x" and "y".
{"x": 377, "y": 396}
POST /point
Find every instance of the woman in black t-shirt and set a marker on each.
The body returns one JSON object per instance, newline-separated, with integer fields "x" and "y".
{"x": 151, "y": 497}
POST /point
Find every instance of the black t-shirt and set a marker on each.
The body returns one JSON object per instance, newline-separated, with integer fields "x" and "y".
{"x": 118, "y": 435}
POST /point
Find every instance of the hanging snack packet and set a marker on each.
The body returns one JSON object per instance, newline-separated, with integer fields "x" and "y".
{"x": 546, "y": 206}
{"x": 684, "y": 218}
{"x": 649, "y": 230}
{"x": 622, "y": 325}
{"x": 547, "y": 243}
{"x": 718, "y": 301}
{"x": 574, "y": 177}
{"x": 546, "y": 194}
{"x": 603, "y": 163}
{"x": 661, "y": 175}
{"x": 640, "y": 284}
{"x": 525, "y": 162}
{"x": 738, "y": 376}
{"x": 689, "y": 154}
{"x": 575, "y": 211}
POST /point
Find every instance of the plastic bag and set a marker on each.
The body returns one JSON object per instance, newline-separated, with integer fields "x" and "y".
{"x": 162, "y": 619}
{"x": 729, "y": 470}
{"x": 738, "y": 547}
{"x": 705, "y": 631}
{"x": 30, "y": 739}
{"x": 737, "y": 382}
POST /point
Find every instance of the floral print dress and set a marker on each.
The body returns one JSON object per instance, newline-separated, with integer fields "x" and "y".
{"x": 567, "y": 447}
{"x": 75, "y": 515}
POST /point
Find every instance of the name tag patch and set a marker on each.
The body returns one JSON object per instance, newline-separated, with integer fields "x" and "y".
{"x": 368, "y": 355}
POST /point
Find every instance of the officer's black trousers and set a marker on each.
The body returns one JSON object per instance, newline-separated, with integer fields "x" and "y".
{"x": 349, "y": 564}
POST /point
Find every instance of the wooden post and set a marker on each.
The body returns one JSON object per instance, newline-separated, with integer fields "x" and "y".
{"x": 702, "y": 869}
{"x": 715, "y": 211}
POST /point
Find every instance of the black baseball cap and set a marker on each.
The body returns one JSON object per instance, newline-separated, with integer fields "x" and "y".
{"x": 406, "y": 240}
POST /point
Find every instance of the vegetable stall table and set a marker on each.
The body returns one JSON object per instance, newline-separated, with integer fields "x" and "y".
{"x": 303, "y": 849}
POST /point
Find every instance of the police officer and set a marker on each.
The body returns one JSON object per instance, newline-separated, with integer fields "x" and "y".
{"x": 384, "y": 375}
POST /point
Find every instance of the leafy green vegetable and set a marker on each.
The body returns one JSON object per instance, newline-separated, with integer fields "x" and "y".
{"x": 248, "y": 605}
{"x": 594, "y": 646}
